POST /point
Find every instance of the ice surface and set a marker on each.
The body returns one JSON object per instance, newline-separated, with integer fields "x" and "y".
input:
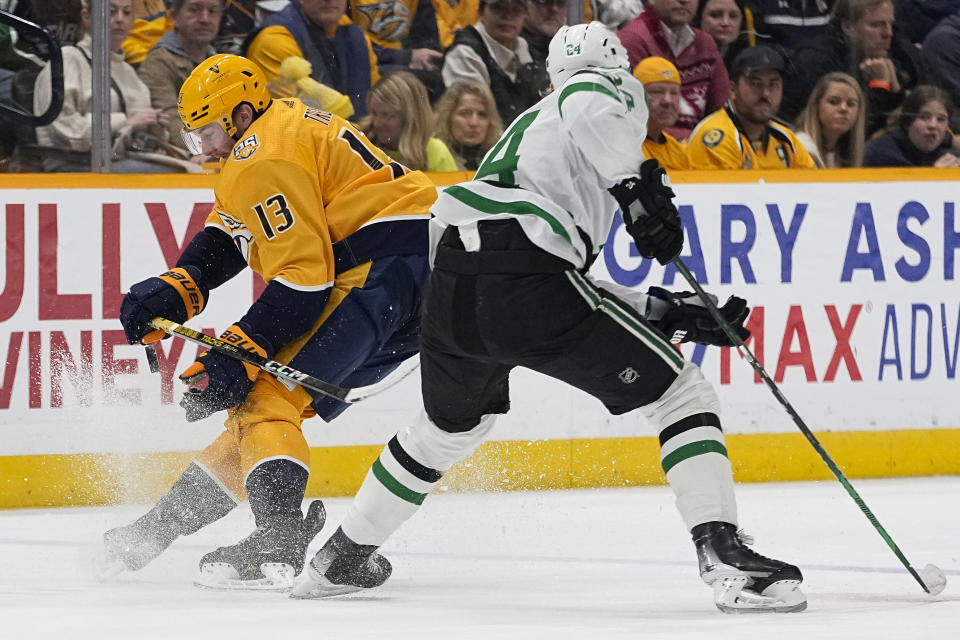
{"x": 609, "y": 563}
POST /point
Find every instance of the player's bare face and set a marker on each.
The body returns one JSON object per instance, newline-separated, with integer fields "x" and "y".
{"x": 387, "y": 124}
{"x": 325, "y": 13}
{"x": 756, "y": 96}
{"x": 664, "y": 101}
{"x": 504, "y": 22}
{"x": 470, "y": 121}
{"x": 210, "y": 140}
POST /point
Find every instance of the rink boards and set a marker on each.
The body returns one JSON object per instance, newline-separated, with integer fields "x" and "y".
{"x": 851, "y": 275}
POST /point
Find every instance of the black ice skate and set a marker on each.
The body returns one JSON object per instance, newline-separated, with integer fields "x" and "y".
{"x": 744, "y": 581}
{"x": 266, "y": 560}
{"x": 192, "y": 503}
{"x": 342, "y": 566}
{"x": 134, "y": 546}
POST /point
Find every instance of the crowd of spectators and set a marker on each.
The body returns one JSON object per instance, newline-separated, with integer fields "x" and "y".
{"x": 731, "y": 84}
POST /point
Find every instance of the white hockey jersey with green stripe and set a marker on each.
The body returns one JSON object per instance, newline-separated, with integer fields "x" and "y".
{"x": 552, "y": 167}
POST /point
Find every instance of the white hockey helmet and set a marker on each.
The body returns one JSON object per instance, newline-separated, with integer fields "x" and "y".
{"x": 584, "y": 46}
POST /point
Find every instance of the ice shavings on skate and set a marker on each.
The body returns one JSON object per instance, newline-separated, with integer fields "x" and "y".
{"x": 221, "y": 576}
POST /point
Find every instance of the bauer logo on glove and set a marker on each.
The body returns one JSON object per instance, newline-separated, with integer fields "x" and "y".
{"x": 684, "y": 317}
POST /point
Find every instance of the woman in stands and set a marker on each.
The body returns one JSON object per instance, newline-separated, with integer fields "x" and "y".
{"x": 831, "y": 125}
{"x": 467, "y": 122}
{"x": 130, "y": 112}
{"x": 921, "y": 135}
{"x": 400, "y": 122}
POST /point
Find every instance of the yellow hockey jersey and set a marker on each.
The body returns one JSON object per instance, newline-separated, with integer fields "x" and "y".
{"x": 718, "y": 143}
{"x": 300, "y": 180}
{"x": 668, "y": 151}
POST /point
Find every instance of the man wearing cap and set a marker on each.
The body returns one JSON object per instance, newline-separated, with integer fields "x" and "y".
{"x": 743, "y": 134}
{"x": 661, "y": 81}
{"x": 663, "y": 29}
{"x": 493, "y": 53}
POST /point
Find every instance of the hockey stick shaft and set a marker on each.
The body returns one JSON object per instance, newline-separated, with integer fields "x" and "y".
{"x": 808, "y": 434}
{"x": 281, "y": 371}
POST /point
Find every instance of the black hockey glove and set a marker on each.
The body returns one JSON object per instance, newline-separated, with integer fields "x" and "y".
{"x": 174, "y": 295}
{"x": 683, "y": 317}
{"x": 646, "y": 203}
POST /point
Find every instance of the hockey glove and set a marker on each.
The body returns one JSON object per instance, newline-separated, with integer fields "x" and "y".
{"x": 217, "y": 381}
{"x": 174, "y": 295}
{"x": 649, "y": 214}
{"x": 683, "y": 317}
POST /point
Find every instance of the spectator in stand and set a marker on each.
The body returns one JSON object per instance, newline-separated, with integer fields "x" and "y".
{"x": 831, "y": 125}
{"x": 544, "y": 18}
{"x": 151, "y": 22}
{"x": 405, "y": 38}
{"x": 921, "y": 136}
{"x": 860, "y": 41}
{"x": 467, "y": 122}
{"x": 130, "y": 112}
{"x": 341, "y": 56}
{"x": 400, "y": 123}
{"x": 661, "y": 82}
{"x": 744, "y": 134}
{"x": 917, "y": 18}
{"x": 266, "y": 8}
{"x": 453, "y": 15}
{"x": 790, "y": 23}
{"x": 173, "y": 58}
{"x": 663, "y": 29}
{"x": 722, "y": 19}
{"x": 941, "y": 53}
{"x": 493, "y": 53}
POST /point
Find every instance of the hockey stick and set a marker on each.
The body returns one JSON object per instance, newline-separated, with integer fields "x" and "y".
{"x": 283, "y": 372}
{"x": 933, "y": 580}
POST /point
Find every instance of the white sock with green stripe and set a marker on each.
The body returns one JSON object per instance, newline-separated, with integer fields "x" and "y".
{"x": 692, "y": 449}
{"x": 407, "y": 470}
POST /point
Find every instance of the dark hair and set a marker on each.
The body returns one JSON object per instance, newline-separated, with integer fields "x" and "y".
{"x": 921, "y": 95}
{"x": 852, "y": 11}
{"x": 703, "y": 5}
{"x": 175, "y": 5}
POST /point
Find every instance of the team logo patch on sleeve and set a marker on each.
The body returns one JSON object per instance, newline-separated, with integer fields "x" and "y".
{"x": 712, "y": 138}
{"x": 246, "y": 147}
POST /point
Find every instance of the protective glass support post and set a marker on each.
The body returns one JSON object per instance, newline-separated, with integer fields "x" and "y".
{"x": 101, "y": 137}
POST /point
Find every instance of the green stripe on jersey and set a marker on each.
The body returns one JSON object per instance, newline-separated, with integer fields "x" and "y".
{"x": 393, "y": 485}
{"x": 577, "y": 87}
{"x": 690, "y": 450}
{"x": 486, "y": 205}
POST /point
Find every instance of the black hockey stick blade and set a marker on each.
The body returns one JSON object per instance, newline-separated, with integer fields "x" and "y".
{"x": 935, "y": 579}
{"x": 153, "y": 362}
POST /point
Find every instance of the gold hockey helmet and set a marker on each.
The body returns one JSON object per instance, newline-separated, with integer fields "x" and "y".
{"x": 216, "y": 87}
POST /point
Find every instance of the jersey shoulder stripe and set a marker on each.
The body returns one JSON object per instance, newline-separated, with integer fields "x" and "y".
{"x": 589, "y": 83}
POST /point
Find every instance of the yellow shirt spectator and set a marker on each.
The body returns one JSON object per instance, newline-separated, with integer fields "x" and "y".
{"x": 719, "y": 143}
{"x": 668, "y": 151}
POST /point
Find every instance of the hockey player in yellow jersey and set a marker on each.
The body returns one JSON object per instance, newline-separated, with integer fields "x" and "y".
{"x": 339, "y": 233}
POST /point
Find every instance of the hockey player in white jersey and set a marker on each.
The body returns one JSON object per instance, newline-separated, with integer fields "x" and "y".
{"x": 509, "y": 288}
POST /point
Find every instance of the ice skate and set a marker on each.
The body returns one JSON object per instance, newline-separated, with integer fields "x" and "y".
{"x": 744, "y": 581}
{"x": 132, "y": 547}
{"x": 266, "y": 560}
{"x": 342, "y": 566}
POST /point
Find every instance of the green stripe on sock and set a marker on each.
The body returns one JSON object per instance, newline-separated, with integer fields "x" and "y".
{"x": 693, "y": 449}
{"x": 393, "y": 485}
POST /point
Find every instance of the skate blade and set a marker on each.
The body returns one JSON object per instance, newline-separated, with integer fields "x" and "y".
{"x": 220, "y": 576}
{"x": 312, "y": 586}
{"x": 783, "y": 596}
